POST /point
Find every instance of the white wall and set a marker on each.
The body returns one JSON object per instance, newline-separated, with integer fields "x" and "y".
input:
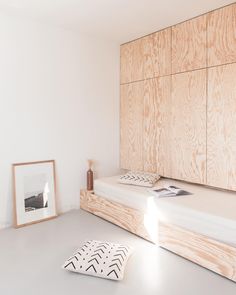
{"x": 59, "y": 99}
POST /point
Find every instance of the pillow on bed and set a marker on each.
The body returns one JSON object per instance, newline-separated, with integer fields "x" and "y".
{"x": 139, "y": 178}
{"x": 100, "y": 259}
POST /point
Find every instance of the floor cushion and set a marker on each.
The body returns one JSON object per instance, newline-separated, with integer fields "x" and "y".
{"x": 100, "y": 259}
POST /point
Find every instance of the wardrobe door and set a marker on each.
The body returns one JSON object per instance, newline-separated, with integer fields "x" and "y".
{"x": 221, "y": 140}
{"x": 131, "y": 59}
{"x": 189, "y": 45}
{"x": 157, "y": 54}
{"x": 156, "y": 95}
{"x": 222, "y": 36}
{"x": 131, "y": 126}
{"x": 187, "y": 128}
{"x": 125, "y": 63}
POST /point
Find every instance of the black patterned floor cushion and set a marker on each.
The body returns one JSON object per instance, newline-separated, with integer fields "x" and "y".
{"x": 100, "y": 259}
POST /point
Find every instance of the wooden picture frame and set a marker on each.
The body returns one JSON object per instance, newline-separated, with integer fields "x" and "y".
{"x": 34, "y": 191}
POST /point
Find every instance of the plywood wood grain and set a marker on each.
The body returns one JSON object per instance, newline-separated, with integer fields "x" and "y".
{"x": 132, "y": 57}
{"x": 125, "y": 63}
{"x": 189, "y": 45}
{"x": 121, "y": 215}
{"x": 186, "y": 132}
{"x": 221, "y": 133}
{"x": 216, "y": 256}
{"x": 147, "y": 57}
{"x": 222, "y": 36}
{"x": 156, "y": 97}
{"x": 131, "y": 126}
{"x": 167, "y": 133}
{"x": 150, "y": 124}
{"x": 157, "y": 54}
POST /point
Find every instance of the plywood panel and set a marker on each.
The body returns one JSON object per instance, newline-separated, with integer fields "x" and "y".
{"x": 222, "y": 36}
{"x": 157, "y": 54}
{"x": 131, "y": 61}
{"x": 221, "y": 149}
{"x": 131, "y": 126}
{"x": 147, "y": 57}
{"x": 156, "y": 97}
{"x": 216, "y": 256}
{"x": 186, "y": 138}
{"x": 125, "y": 63}
{"x": 189, "y": 45}
{"x": 128, "y": 218}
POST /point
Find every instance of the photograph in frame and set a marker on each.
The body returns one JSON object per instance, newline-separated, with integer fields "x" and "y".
{"x": 34, "y": 192}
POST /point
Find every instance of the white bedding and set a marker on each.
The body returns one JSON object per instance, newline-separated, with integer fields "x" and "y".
{"x": 208, "y": 211}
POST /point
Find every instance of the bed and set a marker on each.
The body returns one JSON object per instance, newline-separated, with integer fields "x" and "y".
{"x": 200, "y": 227}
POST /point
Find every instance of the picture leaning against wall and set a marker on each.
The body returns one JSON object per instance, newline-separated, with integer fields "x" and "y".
{"x": 34, "y": 192}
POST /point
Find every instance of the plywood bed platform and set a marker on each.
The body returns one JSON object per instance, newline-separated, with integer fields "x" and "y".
{"x": 183, "y": 235}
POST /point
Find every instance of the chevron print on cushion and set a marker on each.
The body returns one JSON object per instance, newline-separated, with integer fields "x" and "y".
{"x": 139, "y": 178}
{"x": 100, "y": 259}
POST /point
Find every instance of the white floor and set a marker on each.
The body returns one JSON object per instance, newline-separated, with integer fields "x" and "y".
{"x": 31, "y": 259}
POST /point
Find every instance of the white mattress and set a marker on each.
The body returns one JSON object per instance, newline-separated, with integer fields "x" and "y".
{"x": 208, "y": 211}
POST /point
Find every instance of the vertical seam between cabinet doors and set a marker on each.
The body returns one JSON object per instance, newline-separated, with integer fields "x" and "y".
{"x": 171, "y": 90}
{"x": 143, "y": 125}
{"x": 207, "y": 77}
{"x": 170, "y": 131}
{"x": 120, "y": 114}
{"x": 171, "y": 43}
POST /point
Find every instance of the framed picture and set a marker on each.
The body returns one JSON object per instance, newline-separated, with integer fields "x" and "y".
{"x": 34, "y": 192}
